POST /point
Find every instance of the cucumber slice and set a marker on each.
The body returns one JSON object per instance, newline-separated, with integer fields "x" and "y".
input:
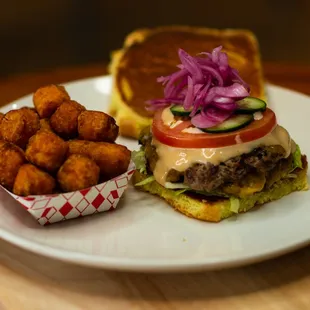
{"x": 233, "y": 123}
{"x": 250, "y": 105}
{"x": 178, "y": 110}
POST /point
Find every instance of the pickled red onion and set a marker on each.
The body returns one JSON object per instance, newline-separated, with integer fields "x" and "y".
{"x": 204, "y": 84}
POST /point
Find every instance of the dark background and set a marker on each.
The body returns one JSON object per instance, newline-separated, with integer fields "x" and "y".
{"x": 38, "y": 35}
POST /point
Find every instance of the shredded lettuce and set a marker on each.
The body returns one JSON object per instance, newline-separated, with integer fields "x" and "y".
{"x": 234, "y": 204}
{"x": 138, "y": 157}
{"x": 181, "y": 191}
{"x": 146, "y": 181}
{"x": 297, "y": 163}
{"x": 171, "y": 185}
{"x": 291, "y": 176}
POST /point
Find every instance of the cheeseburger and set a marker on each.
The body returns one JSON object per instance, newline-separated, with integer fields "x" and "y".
{"x": 213, "y": 150}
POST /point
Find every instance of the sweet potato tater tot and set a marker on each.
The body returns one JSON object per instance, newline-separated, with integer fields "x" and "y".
{"x": 32, "y": 123}
{"x": 48, "y": 98}
{"x": 45, "y": 124}
{"x": 31, "y": 116}
{"x": 65, "y": 120}
{"x": 18, "y": 126}
{"x": 46, "y": 150}
{"x": 112, "y": 159}
{"x": 11, "y": 159}
{"x": 30, "y": 180}
{"x": 78, "y": 172}
{"x": 97, "y": 126}
{"x": 12, "y": 127}
{"x": 1, "y": 117}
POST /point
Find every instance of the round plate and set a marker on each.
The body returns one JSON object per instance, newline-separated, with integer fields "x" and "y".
{"x": 146, "y": 234}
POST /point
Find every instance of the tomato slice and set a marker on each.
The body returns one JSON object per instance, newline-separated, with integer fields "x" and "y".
{"x": 177, "y": 129}
{"x": 176, "y": 138}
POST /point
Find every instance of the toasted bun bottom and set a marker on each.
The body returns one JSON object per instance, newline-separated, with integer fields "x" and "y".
{"x": 215, "y": 211}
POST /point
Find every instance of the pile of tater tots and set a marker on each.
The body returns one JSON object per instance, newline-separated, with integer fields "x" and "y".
{"x": 58, "y": 146}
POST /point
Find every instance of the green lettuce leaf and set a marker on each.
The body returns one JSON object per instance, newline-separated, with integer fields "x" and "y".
{"x": 234, "y": 204}
{"x": 146, "y": 181}
{"x": 180, "y": 191}
{"x": 138, "y": 157}
{"x": 297, "y": 163}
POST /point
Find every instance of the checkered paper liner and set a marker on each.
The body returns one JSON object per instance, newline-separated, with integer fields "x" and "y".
{"x": 48, "y": 209}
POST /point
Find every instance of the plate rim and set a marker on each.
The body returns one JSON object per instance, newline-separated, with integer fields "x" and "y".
{"x": 141, "y": 264}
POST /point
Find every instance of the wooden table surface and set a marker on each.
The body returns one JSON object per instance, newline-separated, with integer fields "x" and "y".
{"x": 28, "y": 281}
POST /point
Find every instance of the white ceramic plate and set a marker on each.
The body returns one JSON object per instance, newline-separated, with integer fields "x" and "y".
{"x": 145, "y": 234}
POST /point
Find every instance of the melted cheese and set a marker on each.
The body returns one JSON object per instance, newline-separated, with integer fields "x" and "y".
{"x": 181, "y": 159}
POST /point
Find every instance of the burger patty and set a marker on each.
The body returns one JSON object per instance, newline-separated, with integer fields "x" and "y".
{"x": 261, "y": 164}
{"x": 208, "y": 177}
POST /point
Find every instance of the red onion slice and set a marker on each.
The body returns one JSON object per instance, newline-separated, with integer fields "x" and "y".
{"x": 190, "y": 64}
{"x": 211, "y": 117}
{"x": 190, "y": 94}
{"x": 204, "y": 84}
{"x": 200, "y": 97}
{"x": 237, "y": 78}
{"x": 233, "y": 91}
{"x": 214, "y": 73}
{"x": 215, "y": 54}
{"x": 226, "y": 106}
{"x": 173, "y": 78}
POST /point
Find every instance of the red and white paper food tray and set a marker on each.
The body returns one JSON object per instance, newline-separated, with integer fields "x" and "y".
{"x": 48, "y": 209}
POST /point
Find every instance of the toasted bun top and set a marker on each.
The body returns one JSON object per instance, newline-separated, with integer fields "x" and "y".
{"x": 150, "y": 53}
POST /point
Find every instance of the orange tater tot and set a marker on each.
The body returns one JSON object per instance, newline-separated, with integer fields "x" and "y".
{"x": 48, "y": 98}
{"x": 11, "y": 159}
{"x": 78, "y": 172}
{"x": 32, "y": 123}
{"x": 112, "y": 159}
{"x": 17, "y": 126}
{"x": 45, "y": 124}
{"x": 12, "y": 127}
{"x": 97, "y": 126}
{"x": 46, "y": 150}
{"x": 32, "y": 119}
{"x": 31, "y": 180}
{"x": 1, "y": 117}
{"x": 65, "y": 120}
